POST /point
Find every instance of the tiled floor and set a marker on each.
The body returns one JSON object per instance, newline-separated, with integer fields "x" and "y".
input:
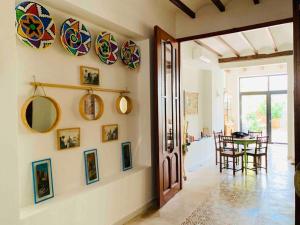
{"x": 211, "y": 198}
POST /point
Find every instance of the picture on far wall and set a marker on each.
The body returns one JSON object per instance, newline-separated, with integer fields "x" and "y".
{"x": 68, "y": 138}
{"x": 110, "y": 132}
{"x": 91, "y": 166}
{"x": 126, "y": 156}
{"x": 190, "y": 103}
{"x": 42, "y": 180}
{"x": 89, "y": 76}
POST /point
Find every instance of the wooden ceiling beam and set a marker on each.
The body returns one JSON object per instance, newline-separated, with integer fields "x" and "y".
{"x": 253, "y": 57}
{"x": 271, "y": 37}
{"x": 219, "y": 5}
{"x": 203, "y": 45}
{"x": 235, "y": 52}
{"x": 183, "y": 7}
{"x": 247, "y": 41}
{"x": 256, "y": 2}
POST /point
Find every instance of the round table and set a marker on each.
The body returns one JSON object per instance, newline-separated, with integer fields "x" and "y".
{"x": 245, "y": 142}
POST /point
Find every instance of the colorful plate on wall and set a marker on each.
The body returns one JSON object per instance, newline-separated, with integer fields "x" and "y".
{"x": 131, "y": 54}
{"x": 75, "y": 37}
{"x": 35, "y": 26}
{"x": 107, "y": 48}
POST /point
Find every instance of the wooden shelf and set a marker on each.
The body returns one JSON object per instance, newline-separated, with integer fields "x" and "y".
{"x": 77, "y": 87}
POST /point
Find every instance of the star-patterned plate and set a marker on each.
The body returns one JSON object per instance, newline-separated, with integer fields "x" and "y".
{"x": 130, "y": 54}
{"x": 75, "y": 37}
{"x": 35, "y": 26}
{"x": 107, "y": 48}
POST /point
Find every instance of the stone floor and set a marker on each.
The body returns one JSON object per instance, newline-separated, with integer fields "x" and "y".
{"x": 211, "y": 198}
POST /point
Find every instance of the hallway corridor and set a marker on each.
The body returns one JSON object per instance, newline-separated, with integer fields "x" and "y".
{"x": 211, "y": 198}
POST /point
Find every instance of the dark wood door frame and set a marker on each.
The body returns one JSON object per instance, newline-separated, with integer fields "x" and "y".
{"x": 296, "y": 21}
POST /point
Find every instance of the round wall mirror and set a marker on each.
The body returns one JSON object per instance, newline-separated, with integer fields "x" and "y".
{"x": 40, "y": 114}
{"x": 91, "y": 107}
{"x": 124, "y": 104}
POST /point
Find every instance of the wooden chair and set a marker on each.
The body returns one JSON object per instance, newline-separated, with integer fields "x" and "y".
{"x": 261, "y": 150}
{"x": 217, "y": 143}
{"x": 255, "y": 133}
{"x": 230, "y": 150}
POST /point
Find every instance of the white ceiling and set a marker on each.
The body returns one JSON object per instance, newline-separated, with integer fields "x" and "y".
{"x": 248, "y": 42}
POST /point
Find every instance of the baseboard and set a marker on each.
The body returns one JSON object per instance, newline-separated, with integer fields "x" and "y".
{"x": 136, "y": 213}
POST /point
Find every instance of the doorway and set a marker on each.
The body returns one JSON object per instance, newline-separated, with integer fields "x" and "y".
{"x": 263, "y": 106}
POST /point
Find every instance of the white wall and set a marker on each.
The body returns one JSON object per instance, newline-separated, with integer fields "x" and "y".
{"x": 262, "y": 67}
{"x": 118, "y": 194}
{"x": 208, "y": 80}
{"x": 238, "y": 13}
{"x": 8, "y": 119}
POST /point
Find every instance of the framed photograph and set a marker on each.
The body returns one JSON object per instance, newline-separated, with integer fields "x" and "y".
{"x": 42, "y": 180}
{"x": 91, "y": 166}
{"x": 191, "y": 103}
{"x": 110, "y": 132}
{"x": 89, "y": 75}
{"x": 126, "y": 156}
{"x": 68, "y": 138}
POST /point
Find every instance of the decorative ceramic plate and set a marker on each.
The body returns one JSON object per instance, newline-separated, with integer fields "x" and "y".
{"x": 75, "y": 37}
{"x": 130, "y": 54}
{"x": 35, "y": 26}
{"x": 107, "y": 48}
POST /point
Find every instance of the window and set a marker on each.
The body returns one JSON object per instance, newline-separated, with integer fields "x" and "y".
{"x": 264, "y": 83}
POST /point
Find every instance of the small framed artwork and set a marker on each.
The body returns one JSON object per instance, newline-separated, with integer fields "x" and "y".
{"x": 89, "y": 76}
{"x": 42, "y": 180}
{"x": 191, "y": 103}
{"x": 110, "y": 132}
{"x": 126, "y": 156}
{"x": 91, "y": 166}
{"x": 68, "y": 138}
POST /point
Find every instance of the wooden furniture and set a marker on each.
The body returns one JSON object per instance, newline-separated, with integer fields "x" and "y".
{"x": 218, "y": 146}
{"x": 255, "y": 133}
{"x": 229, "y": 150}
{"x": 246, "y": 141}
{"x": 260, "y": 150}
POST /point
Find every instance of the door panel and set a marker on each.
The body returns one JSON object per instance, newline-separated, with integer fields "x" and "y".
{"x": 166, "y": 114}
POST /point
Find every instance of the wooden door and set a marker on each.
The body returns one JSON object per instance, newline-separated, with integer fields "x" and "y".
{"x": 297, "y": 94}
{"x": 166, "y": 115}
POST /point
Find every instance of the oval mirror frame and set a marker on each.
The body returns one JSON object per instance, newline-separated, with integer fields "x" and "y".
{"x": 100, "y": 103}
{"x": 24, "y": 109}
{"x": 129, "y": 105}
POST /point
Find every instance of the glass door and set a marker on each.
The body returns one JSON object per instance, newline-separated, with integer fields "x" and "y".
{"x": 279, "y": 121}
{"x": 254, "y": 113}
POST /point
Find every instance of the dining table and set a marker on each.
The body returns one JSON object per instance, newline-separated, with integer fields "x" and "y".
{"x": 245, "y": 141}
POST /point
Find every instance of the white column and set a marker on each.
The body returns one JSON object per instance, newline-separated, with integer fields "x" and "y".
{"x": 9, "y": 207}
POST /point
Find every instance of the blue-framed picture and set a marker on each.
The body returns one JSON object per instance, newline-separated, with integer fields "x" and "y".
{"x": 42, "y": 180}
{"x": 91, "y": 166}
{"x": 126, "y": 156}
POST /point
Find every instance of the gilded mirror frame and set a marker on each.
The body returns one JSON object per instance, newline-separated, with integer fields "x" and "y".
{"x": 24, "y": 109}
{"x": 100, "y": 103}
{"x": 129, "y": 105}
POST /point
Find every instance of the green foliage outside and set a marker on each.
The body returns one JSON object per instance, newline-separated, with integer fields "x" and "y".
{"x": 256, "y": 120}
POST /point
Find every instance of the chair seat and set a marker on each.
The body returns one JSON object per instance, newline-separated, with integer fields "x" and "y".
{"x": 230, "y": 153}
{"x": 252, "y": 152}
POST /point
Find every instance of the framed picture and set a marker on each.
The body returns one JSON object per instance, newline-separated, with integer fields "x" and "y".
{"x": 68, "y": 138}
{"x": 42, "y": 180}
{"x": 126, "y": 156}
{"x": 110, "y": 132}
{"x": 89, "y": 76}
{"x": 190, "y": 103}
{"x": 91, "y": 166}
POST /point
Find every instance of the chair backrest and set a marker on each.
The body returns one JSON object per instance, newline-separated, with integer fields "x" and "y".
{"x": 262, "y": 144}
{"x": 255, "y": 133}
{"x": 217, "y": 136}
{"x": 228, "y": 144}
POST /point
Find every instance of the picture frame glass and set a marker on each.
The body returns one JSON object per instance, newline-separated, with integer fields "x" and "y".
{"x": 126, "y": 156}
{"x": 68, "y": 138}
{"x": 42, "y": 180}
{"x": 91, "y": 166}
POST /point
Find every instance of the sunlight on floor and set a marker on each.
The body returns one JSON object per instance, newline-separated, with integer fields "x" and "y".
{"x": 211, "y": 198}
